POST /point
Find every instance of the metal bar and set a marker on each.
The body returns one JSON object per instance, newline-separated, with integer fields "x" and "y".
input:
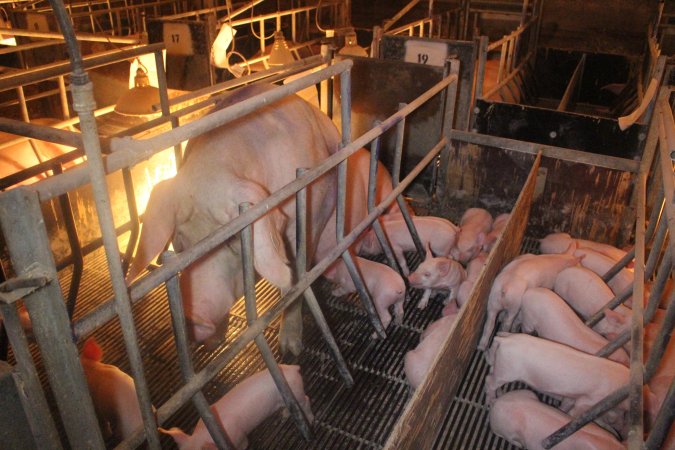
{"x": 377, "y": 226}
{"x": 607, "y": 403}
{"x": 75, "y": 247}
{"x": 30, "y": 392}
{"x": 609, "y": 162}
{"x": 218, "y": 363}
{"x": 482, "y": 58}
{"x": 128, "y": 151}
{"x": 218, "y": 434}
{"x": 41, "y": 132}
{"x": 388, "y": 23}
{"x": 26, "y": 238}
{"x": 251, "y": 315}
{"x": 354, "y": 273}
{"x": 53, "y": 70}
{"x": 654, "y": 219}
{"x": 146, "y": 283}
{"x": 663, "y": 422}
{"x": 134, "y": 220}
{"x": 84, "y": 105}
{"x": 447, "y": 130}
{"x": 667, "y": 179}
{"x": 662, "y": 339}
{"x": 80, "y": 36}
{"x": 635, "y": 411}
{"x": 63, "y": 95}
{"x": 396, "y": 176}
{"x": 652, "y": 305}
{"x": 310, "y": 298}
{"x": 613, "y": 303}
{"x": 288, "y": 69}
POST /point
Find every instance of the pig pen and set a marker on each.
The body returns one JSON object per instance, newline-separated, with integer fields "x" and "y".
{"x": 384, "y": 416}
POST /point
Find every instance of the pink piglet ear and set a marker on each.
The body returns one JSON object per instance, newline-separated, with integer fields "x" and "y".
{"x": 571, "y": 248}
{"x": 481, "y": 238}
{"x": 444, "y": 267}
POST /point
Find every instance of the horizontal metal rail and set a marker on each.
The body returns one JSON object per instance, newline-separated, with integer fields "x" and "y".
{"x": 565, "y": 154}
{"x": 80, "y": 36}
{"x": 145, "y": 284}
{"x": 45, "y": 72}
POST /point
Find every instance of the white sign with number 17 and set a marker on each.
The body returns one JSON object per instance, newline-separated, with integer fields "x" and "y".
{"x": 421, "y": 52}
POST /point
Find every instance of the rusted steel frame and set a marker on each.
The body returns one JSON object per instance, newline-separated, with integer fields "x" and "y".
{"x": 263, "y": 347}
{"x": 604, "y": 405}
{"x": 377, "y": 226}
{"x": 53, "y": 70}
{"x": 652, "y": 304}
{"x": 565, "y": 154}
{"x": 85, "y": 105}
{"x": 654, "y": 220}
{"x": 148, "y": 282}
{"x": 310, "y": 298}
{"x": 635, "y": 411}
{"x": 647, "y": 273}
{"x": 340, "y": 206}
{"x": 30, "y": 392}
{"x": 27, "y": 241}
{"x": 663, "y": 422}
{"x": 396, "y": 176}
{"x": 187, "y": 370}
{"x": 165, "y": 411}
{"x": 127, "y": 151}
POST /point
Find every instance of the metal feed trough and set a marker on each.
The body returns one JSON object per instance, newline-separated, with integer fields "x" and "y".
{"x": 467, "y": 161}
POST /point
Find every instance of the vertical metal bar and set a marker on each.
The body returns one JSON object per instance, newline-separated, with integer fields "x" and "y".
{"x": 164, "y": 103}
{"x": 448, "y": 123}
{"x": 345, "y": 114}
{"x": 262, "y": 36}
{"x": 22, "y": 104}
{"x": 251, "y": 314}
{"x": 395, "y": 179}
{"x": 482, "y": 58}
{"x": 30, "y": 391}
{"x": 467, "y": 9}
{"x": 26, "y": 238}
{"x": 63, "y": 95}
{"x": 85, "y": 105}
{"x": 75, "y": 246}
{"x": 130, "y": 193}
{"x": 310, "y": 298}
{"x": 663, "y": 422}
{"x": 372, "y": 188}
{"x": 635, "y": 412}
{"x": 218, "y": 434}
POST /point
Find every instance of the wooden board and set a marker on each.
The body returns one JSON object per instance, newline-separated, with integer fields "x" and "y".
{"x": 426, "y": 408}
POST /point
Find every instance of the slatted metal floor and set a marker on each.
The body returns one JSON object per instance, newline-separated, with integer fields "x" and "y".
{"x": 359, "y": 417}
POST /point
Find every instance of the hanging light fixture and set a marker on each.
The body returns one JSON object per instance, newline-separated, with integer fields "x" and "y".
{"x": 280, "y": 54}
{"x": 139, "y": 100}
{"x": 351, "y": 46}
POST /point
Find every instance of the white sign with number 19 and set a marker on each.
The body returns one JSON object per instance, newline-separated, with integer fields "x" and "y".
{"x": 421, "y": 52}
